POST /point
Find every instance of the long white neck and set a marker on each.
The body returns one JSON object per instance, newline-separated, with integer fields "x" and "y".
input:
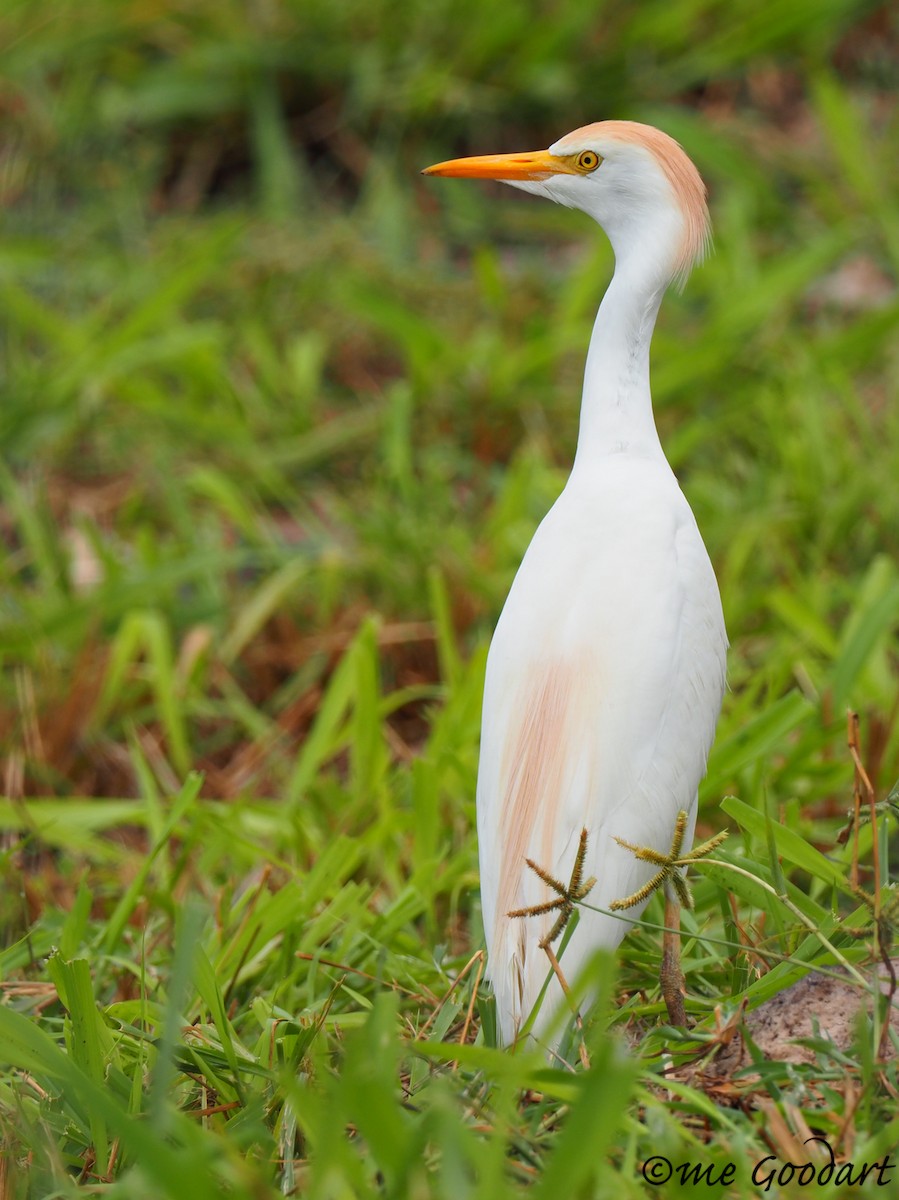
{"x": 616, "y": 410}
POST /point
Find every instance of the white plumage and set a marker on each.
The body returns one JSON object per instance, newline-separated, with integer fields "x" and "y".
{"x": 606, "y": 670}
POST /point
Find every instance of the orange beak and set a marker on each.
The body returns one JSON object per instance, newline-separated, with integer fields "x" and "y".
{"x": 539, "y": 165}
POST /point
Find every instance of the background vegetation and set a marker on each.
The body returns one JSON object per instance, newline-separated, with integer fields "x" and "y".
{"x": 279, "y": 418}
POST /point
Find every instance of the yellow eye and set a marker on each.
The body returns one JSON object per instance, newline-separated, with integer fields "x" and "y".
{"x": 588, "y": 160}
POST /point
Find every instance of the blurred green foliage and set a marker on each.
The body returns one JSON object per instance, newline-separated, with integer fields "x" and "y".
{"x": 278, "y": 420}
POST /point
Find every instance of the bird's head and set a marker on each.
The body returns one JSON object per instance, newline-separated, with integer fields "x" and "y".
{"x": 633, "y": 179}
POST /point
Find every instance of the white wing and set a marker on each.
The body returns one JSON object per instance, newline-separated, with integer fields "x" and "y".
{"x": 604, "y": 682}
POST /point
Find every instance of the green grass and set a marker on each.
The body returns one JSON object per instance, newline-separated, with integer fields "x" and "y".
{"x": 279, "y": 419}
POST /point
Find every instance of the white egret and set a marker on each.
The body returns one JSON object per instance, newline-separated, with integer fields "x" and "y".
{"x": 606, "y": 671}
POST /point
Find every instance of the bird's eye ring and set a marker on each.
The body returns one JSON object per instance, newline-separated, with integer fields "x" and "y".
{"x": 588, "y": 160}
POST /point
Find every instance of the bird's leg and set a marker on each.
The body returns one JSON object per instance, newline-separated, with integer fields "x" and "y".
{"x": 568, "y": 896}
{"x": 671, "y": 976}
{"x": 671, "y": 873}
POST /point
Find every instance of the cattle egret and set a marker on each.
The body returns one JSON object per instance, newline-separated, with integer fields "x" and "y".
{"x": 606, "y": 671}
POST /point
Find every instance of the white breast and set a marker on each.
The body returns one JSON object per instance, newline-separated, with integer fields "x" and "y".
{"x": 604, "y": 682}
